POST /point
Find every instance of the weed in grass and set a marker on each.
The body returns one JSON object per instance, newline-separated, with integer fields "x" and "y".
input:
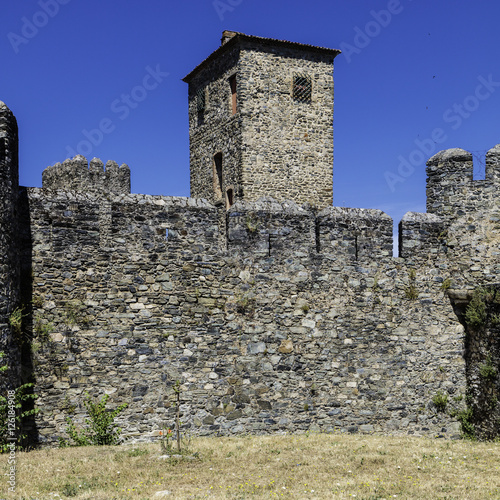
{"x": 100, "y": 428}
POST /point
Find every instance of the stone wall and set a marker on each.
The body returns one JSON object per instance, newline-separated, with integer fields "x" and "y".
{"x": 215, "y": 131}
{"x": 273, "y": 145}
{"x": 305, "y": 322}
{"x": 77, "y": 174}
{"x": 9, "y": 245}
{"x": 274, "y": 318}
{"x": 289, "y": 144}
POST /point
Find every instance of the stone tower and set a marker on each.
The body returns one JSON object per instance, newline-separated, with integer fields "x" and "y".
{"x": 261, "y": 122}
{"x": 9, "y": 253}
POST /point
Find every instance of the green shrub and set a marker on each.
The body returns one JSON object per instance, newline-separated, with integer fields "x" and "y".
{"x": 100, "y": 428}
{"x": 475, "y": 314}
{"x": 440, "y": 401}
{"x": 465, "y": 419}
{"x": 16, "y": 321}
{"x": 487, "y": 370}
{"x": 74, "y": 311}
{"x": 23, "y": 395}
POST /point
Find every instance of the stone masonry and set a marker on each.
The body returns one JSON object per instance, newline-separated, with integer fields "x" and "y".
{"x": 275, "y": 315}
{"x": 273, "y": 142}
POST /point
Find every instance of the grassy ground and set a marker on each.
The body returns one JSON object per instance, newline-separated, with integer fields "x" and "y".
{"x": 299, "y": 467}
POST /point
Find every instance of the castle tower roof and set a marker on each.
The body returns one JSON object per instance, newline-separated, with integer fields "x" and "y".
{"x": 231, "y": 38}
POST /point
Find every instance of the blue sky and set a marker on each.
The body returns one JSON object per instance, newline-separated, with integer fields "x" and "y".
{"x": 415, "y": 77}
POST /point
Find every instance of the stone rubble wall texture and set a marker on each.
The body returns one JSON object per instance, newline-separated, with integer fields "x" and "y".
{"x": 220, "y": 132}
{"x": 77, "y": 174}
{"x": 273, "y": 146}
{"x": 9, "y": 245}
{"x": 305, "y": 321}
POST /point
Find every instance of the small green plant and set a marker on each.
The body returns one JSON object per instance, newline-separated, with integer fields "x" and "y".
{"x": 70, "y": 490}
{"x": 440, "y": 401}
{"x": 100, "y": 428}
{"x": 166, "y": 437}
{"x": 252, "y": 223}
{"x": 446, "y": 284}
{"x": 487, "y": 370}
{"x": 137, "y": 452}
{"x": 411, "y": 292}
{"x": 43, "y": 330}
{"x": 245, "y": 304}
{"x": 16, "y": 321}
{"x": 74, "y": 312}
{"x": 465, "y": 419}
{"x": 305, "y": 308}
{"x": 37, "y": 301}
{"x": 21, "y": 397}
{"x": 475, "y": 314}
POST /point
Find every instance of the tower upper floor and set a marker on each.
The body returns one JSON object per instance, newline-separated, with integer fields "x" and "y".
{"x": 261, "y": 121}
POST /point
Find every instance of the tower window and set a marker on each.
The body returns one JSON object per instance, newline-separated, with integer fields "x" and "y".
{"x": 201, "y": 103}
{"x": 218, "y": 175}
{"x": 230, "y": 198}
{"x": 232, "y": 83}
{"x": 302, "y": 88}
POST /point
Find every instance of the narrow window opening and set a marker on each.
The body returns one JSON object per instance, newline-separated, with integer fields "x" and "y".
{"x": 201, "y": 103}
{"x": 318, "y": 237}
{"x": 356, "y": 247}
{"x": 230, "y": 198}
{"x": 218, "y": 174}
{"x": 232, "y": 83}
{"x": 302, "y": 88}
{"x": 166, "y": 234}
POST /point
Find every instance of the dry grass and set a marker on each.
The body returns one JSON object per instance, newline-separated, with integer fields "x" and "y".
{"x": 300, "y": 467}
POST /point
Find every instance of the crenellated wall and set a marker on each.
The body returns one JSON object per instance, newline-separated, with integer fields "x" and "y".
{"x": 77, "y": 175}
{"x": 303, "y": 321}
{"x": 274, "y": 318}
{"x": 268, "y": 336}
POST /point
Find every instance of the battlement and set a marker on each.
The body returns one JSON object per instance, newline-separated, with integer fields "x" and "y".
{"x": 451, "y": 190}
{"x": 77, "y": 175}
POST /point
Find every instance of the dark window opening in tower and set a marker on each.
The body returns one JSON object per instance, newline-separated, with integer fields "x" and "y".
{"x": 201, "y": 105}
{"x": 232, "y": 83}
{"x": 230, "y": 198}
{"x": 218, "y": 174}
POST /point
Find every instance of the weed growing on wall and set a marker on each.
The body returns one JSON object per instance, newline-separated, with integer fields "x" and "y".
{"x": 487, "y": 370}
{"x": 23, "y": 399}
{"x": 74, "y": 311}
{"x": 16, "y": 321}
{"x": 411, "y": 292}
{"x": 440, "y": 401}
